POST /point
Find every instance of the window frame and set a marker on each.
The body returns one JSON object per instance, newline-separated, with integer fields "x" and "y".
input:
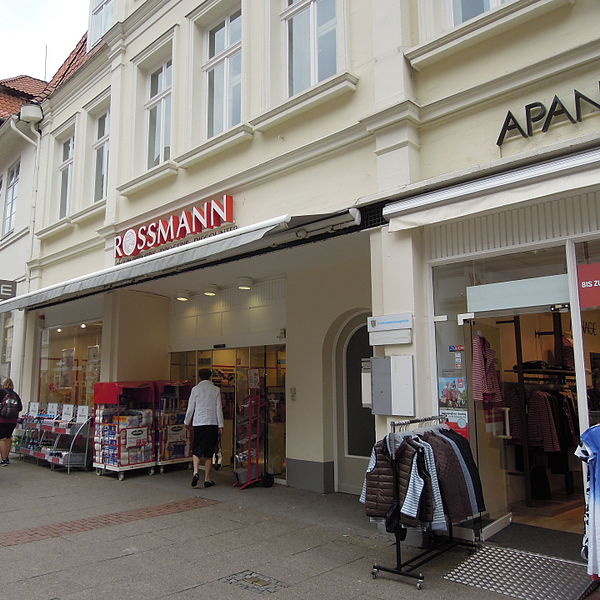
{"x": 211, "y": 63}
{"x": 66, "y": 166}
{"x": 293, "y": 10}
{"x": 11, "y": 194}
{"x": 101, "y": 144}
{"x": 101, "y": 19}
{"x": 492, "y": 4}
{"x": 163, "y": 100}
{"x": 7, "y": 327}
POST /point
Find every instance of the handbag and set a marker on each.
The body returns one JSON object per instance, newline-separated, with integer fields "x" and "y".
{"x": 217, "y": 456}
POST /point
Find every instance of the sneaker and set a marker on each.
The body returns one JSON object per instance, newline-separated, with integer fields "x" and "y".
{"x": 4, "y": 462}
{"x": 209, "y": 484}
{"x": 195, "y": 479}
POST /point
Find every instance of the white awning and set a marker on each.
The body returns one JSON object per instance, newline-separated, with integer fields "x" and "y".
{"x": 171, "y": 261}
{"x": 551, "y": 178}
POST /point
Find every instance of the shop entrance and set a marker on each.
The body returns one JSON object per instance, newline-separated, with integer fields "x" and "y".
{"x": 241, "y": 374}
{"x": 523, "y": 418}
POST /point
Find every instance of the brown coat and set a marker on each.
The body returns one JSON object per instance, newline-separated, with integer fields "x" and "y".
{"x": 453, "y": 487}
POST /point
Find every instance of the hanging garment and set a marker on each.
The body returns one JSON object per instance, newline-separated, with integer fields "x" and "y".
{"x": 438, "y": 519}
{"x": 451, "y": 479}
{"x": 589, "y": 451}
{"x": 465, "y": 471}
{"x": 485, "y": 385}
{"x": 541, "y": 427}
{"x": 379, "y": 482}
{"x": 465, "y": 449}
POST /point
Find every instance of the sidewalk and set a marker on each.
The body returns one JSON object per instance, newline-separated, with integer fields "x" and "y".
{"x": 79, "y": 536}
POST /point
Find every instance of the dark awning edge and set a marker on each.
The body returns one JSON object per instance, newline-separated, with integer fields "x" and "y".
{"x": 173, "y": 260}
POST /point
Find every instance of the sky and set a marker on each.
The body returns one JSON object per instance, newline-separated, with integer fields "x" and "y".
{"x": 29, "y": 27}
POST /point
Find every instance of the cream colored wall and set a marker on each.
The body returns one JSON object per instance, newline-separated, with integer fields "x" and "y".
{"x": 399, "y": 284}
{"x": 236, "y": 318}
{"x": 473, "y": 90}
{"x": 135, "y": 337}
{"x": 315, "y": 300}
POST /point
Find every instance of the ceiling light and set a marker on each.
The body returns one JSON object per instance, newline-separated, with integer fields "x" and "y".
{"x": 244, "y": 283}
{"x": 210, "y": 290}
{"x": 182, "y": 295}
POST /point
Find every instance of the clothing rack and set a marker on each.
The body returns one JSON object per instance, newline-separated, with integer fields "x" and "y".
{"x": 407, "y": 567}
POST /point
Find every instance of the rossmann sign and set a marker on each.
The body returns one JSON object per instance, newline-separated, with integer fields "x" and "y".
{"x": 199, "y": 221}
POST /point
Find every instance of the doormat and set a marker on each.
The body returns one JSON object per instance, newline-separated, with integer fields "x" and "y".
{"x": 523, "y": 575}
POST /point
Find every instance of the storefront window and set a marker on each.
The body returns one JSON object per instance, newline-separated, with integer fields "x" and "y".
{"x": 231, "y": 369}
{"x": 70, "y": 363}
{"x": 588, "y": 274}
{"x": 6, "y": 341}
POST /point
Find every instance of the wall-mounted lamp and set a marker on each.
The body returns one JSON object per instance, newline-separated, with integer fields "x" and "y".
{"x": 182, "y": 295}
{"x": 210, "y": 290}
{"x": 83, "y": 326}
{"x": 244, "y": 283}
{"x": 59, "y": 330}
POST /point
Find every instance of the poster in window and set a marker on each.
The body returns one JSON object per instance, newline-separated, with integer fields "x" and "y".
{"x": 66, "y": 368}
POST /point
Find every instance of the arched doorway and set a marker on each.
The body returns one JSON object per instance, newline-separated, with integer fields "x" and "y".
{"x": 355, "y": 425}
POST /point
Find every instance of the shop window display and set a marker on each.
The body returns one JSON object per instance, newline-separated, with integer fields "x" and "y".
{"x": 506, "y": 379}
{"x": 70, "y": 363}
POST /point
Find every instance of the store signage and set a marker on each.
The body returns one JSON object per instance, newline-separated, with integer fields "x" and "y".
{"x": 588, "y": 278}
{"x": 8, "y": 289}
{"x": 456, "y": 348}
{"x": 204, "y": 219}
{"x": 537, "y": 114}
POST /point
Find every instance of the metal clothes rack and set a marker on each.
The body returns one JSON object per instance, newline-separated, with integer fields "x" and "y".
{"x": 407, "y": 567}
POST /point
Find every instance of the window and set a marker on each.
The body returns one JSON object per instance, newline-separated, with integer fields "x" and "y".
{"x": 101, "y": 20}
{"x": 10, "y": 201}
{"x": 223, "y": 70}
{"x": 6, "y": 343}
{"x": 101, "y": 156}
{"x": 464, "y": 10}
{"x": 312, "y": 40}
{"x": 158, "y": 108}
{"x": 66, "y": 175}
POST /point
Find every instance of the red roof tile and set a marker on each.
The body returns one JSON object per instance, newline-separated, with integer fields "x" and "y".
{"x": 9, "y": 105}
{"x": 75, "y": 60}
{"x": 24, "y": 84}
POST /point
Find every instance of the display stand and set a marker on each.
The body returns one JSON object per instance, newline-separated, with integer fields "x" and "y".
{"x": 59, "y": 437}
{"x": 407, "y": 567}
{"x": 173, "y": 438}
{"x": 124, "y": 427}
{"x": 248, "y": 440}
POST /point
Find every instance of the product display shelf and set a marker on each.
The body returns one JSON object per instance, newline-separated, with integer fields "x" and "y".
{"x": 249, "y": 455}
{"x": 57, "y": 435}
{"x": 124, "y": 427}
{"x": 173, "y": 438}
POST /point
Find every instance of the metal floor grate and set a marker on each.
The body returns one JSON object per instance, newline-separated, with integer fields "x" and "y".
{"x": 250, "y": 580}
{"x": 523, "y": 575}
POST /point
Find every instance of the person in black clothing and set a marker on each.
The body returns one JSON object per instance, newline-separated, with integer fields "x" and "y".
{"x": 7, "y": 425}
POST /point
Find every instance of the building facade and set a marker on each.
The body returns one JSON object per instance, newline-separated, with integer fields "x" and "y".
{"x": 343, "y": 159}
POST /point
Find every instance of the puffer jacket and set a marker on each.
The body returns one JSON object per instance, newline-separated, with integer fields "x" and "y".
{"x": 380, "y": 483}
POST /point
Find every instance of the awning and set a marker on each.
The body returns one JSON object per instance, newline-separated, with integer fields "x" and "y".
{"x": 550, "y": 178}
{"x": 171, "y": 261}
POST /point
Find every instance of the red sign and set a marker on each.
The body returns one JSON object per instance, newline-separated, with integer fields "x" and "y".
{"x": 588, "y": 279}
{"x": 210, "y": 215}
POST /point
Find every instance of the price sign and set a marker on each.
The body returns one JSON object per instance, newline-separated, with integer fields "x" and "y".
{"x": 34, "y": 408}
{"x": 67, "y": 412}
{"x": 52, "y": 409}
{"x": 82, "y": 413}
{"x": 588, "y": 277}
